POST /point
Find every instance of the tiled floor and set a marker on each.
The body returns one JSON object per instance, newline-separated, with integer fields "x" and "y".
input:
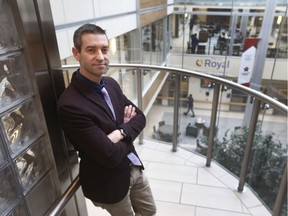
{"x": 183, "y": 185}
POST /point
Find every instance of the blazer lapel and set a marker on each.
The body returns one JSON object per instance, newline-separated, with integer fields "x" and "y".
{"x": 92, "y": 95}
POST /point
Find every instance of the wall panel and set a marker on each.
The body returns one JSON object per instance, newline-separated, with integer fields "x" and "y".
{"x": 149, "y": 3}
{"x": 150, "y": 17}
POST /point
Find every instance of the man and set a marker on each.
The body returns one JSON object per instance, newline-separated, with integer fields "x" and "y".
{"x": 194, "y": 43}
{"x": 190, "y": 106}
{"x": 111, "y": 173}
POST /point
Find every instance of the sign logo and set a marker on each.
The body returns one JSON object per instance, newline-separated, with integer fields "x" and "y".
{"x": 212, "y": 64}
{"x": 199, "y": 62}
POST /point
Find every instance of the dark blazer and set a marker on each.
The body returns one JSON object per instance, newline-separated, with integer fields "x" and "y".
{"x": 86, "y": 120}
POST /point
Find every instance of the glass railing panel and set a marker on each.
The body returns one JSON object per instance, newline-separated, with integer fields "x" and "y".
{"x": 127, "y": 79}
{"x": 269, "y": 149}
{"x": 269, "y": 156}
{"x": 229, "y": 116}
{"x": 159, "y": 122}
{"x": 196, "y": 117}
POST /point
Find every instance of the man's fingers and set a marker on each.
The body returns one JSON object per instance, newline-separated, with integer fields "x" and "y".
{"x": 129, "y": 112}
{"x": 133, "y": 113}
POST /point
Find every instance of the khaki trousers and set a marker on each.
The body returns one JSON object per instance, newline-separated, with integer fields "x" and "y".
{"x": 139, "y": 200}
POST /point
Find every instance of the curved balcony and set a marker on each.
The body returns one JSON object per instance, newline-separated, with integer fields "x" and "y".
{"x": 230, "y": 159}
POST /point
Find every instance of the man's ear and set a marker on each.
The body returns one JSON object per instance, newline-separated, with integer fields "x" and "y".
{"x": 76, "y": 53}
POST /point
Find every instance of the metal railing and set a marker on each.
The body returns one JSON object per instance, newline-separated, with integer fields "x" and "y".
{"x": 62, "y": 201}
{"x": 258, "y": 100}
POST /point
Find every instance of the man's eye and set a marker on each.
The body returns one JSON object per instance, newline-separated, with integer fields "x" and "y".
{"x": 90, "y": 50}
{"x": 104, "y": 51}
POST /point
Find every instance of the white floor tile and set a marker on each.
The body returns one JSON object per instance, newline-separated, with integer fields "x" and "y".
{"x": 93, "y": 210}
{"x": 248, "y": 198}
{"x": 215, "y": 212}
{"x": 211, "y": 197}
{"x": 160, "y": 157}
{"x": 174, "y": 209}
{"x": 206, "y": 178}
{"x": 259, "y": 210}
{"x": 170, "y": 172}
{"x": 165, "y": 190}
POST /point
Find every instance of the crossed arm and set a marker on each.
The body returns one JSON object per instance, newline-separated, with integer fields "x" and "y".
{"x": 129, "y": 112}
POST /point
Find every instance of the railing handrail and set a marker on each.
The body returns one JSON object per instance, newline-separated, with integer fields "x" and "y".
{"x": 201, "y": 75}
{"x": 61, "y": 202}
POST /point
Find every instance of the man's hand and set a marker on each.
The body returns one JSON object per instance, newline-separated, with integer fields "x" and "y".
{"x": 115, "y": 136}
{"x": 129, "y": 113}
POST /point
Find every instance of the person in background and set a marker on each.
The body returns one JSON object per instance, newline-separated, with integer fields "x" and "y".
{"x": 191, "y": 24}
{"x": 194, "y": 43}
{"x": 192, "y": 21}
{"x": 102, "y": 123}
{"x": 222, "y": 42}
{"x": 190, "y": 106}
{"x": 238, "y": 37}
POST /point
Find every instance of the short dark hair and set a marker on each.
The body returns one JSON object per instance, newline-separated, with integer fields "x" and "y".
{"x": 84, "y": 29}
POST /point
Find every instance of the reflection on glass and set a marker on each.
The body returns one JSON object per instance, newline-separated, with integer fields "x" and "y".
{"x": 13, "y": 83}
{"x": 13, "y": 123}
{"x": 19, "y": 211}
{"x": 1, "y": 156}
{"x": 31, "y": 165}
{"x": 8, "y": 39}
{"x": 8, "y": 192}
{"x": 21, "y": 127}
{"x": 7, "y": 92}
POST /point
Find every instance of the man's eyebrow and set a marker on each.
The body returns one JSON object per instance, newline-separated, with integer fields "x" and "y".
{"x": 93, "y": 46}
{"x": 90, "y": 46}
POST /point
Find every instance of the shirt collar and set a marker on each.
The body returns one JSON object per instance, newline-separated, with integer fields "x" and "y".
{"x": 90, "y": 83}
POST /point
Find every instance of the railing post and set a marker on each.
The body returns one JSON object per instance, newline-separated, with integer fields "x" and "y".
{"x": 248, "y": 148}
{"x": 282, "y": 193}
{"x": 212, "y": 124}
{"x": 139, "y": 98}
{"x": 176, "y": 113}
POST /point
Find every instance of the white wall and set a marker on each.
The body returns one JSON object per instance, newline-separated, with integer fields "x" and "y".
{"x": 74, "y": 13}
{"x": 170, "y": 9}
{"x": 199, "y": 93}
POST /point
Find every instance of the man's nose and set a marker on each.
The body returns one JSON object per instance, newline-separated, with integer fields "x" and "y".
{"x": 99, "y": 55}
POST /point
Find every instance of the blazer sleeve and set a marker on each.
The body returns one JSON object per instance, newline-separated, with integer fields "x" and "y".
{"x": 136, "y": 124}
{"x": 119, "y": 100}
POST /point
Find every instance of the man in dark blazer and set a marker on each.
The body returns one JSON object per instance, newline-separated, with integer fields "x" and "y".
{"x": 111, "y": 173}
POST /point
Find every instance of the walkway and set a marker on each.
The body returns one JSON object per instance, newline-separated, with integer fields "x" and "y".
{"x": 182, "y": 185}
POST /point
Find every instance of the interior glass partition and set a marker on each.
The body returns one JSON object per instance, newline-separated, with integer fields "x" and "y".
{"x": 231, "y": 26}
{"x": 153, "y": 45}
